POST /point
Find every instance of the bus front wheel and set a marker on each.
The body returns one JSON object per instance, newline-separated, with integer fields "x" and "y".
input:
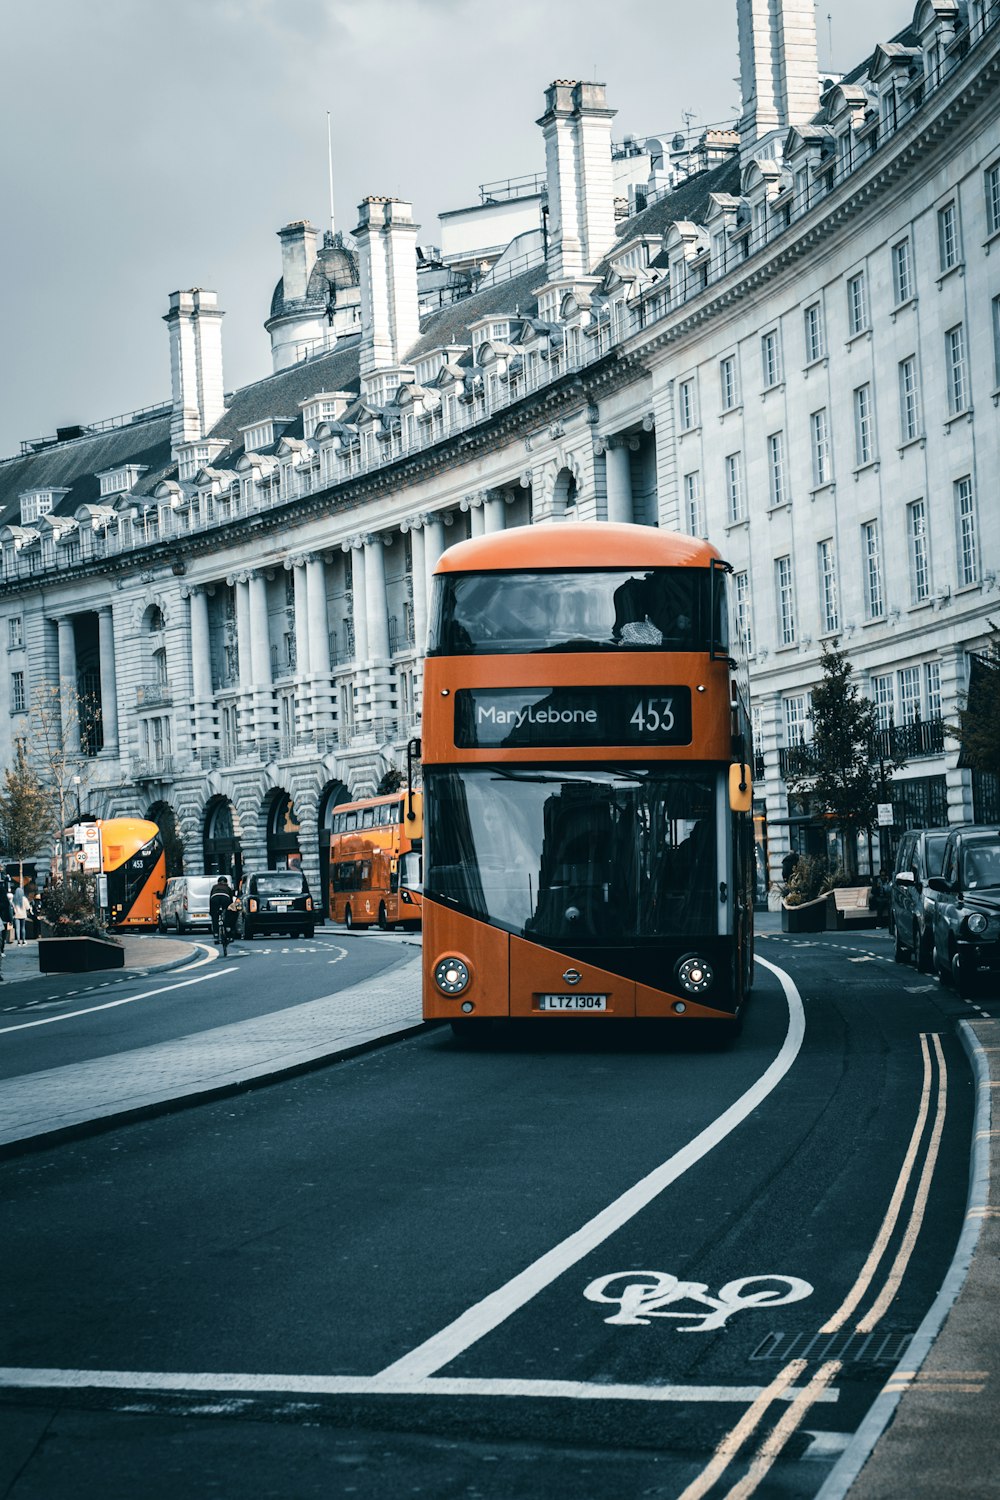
{"x": 348, "y": 919}
{"x": 383, "y": 917}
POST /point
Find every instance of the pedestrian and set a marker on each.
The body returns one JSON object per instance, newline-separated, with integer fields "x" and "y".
{"x": 788, "y": 864}
{"x": 6, "y": 916}
{"x": 21, "y": 908}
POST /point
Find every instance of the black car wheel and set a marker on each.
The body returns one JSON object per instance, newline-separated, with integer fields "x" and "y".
{"x": 924, "y": 950}
{"x": 246, "y": 930}
{"x": 962, "y": 975}
{"x": 900, "y": 952}
{"x": 177, "y": 925}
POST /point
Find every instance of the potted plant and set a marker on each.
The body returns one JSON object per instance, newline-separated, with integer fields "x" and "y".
{"x": 803, "y": 906}
{"x": 71, "y": 939}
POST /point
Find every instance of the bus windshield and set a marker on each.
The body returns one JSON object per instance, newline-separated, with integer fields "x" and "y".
{"x": 667, "y": 609}
{"x": 584, "y": 855}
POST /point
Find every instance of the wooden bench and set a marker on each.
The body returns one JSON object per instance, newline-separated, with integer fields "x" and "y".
{"x": 852, "y": 906}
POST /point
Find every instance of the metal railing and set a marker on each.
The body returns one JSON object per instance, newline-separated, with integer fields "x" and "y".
{"x": 153, "y": 695}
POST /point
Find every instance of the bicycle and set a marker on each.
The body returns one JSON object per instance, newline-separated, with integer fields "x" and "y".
{"x": 224, "y": 927}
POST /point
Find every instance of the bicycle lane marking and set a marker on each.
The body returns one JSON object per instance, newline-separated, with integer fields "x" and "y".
{"x": 484, "y": 1316}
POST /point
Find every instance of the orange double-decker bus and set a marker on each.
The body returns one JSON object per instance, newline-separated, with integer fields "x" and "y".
{"x": 376, "y": 861}
{"x": 586, "y": 774}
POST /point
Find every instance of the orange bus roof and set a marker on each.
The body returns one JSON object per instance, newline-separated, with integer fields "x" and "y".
{"x": 577, "y": 544}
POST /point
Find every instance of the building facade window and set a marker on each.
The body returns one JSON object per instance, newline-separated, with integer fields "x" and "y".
{"x": 908, "y": 681}
{"x": 17, "y": 699}
{"x": 968, "y": 540}
{"x": 932, "y": 689}
{"x": 872, "y": 552}
{"x": 770, "y": 357}
{"x": 958, "y": 384}
{"x": 916, "y": 530}
{"x": 693, "y": 506}
{"x": 796, "y": 713}
{"x": 729, "y": 383}
{"x": 744, "y": 618}
{"x": 993, "y": 199}
{"x": 883, "y": 697}
{"x": 819, "y": 432}
{"x": 902, "y": 272}
{"x": 857, "y": 304}
{"x": 776, "y": 468}
{"x": 687, "y": 405}
{"x": 15, "y": 632}
{"x": 864, "y": 426}
{"x": 909, "y": 400}
{"x": 785, "y": 594}
{"x": 734, "y": 486}
{"x": 829, "y": 602}
{"x": 996, "y": 342}
{"x": 949, "y": 250}
{"x": 815, "y": 342}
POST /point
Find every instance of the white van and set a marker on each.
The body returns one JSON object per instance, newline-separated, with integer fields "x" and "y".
{"x": 184, "y": 904}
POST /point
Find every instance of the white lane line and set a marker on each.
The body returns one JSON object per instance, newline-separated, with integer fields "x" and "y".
{"x": 902, "y": 1260}
{"x": 211, "y": 957}
{"x": 867, "y": 1272}
{"x": 367, "y": 1385}
{"x": 772, "y": 1445}
{"x": 733, "y": 1441}
{"x": 484, "y": 1316}
{"x": 111, "y": 1004}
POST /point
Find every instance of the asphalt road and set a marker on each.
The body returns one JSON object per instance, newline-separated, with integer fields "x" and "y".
{"x": 67, "y": 1018}
{"x": 434, "y": 1272}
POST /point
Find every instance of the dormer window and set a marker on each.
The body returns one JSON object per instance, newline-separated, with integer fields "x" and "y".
{"x": 323, "y": 406}
{"x": 548, "y": 306}
{"x": 119, "y": 481}
{"x": 35, "y": 503}
{"x": 260, "y": 435}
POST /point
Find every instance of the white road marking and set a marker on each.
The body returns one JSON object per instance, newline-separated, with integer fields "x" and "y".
{"x": 745, "y": 1427}
{"x": 484, "y": 1316}
{"x": 211, "y": 957}
{"x": 367, "y": 1385}
{"x": 867, "y": 1272}
{"x": 110, "y": 1004}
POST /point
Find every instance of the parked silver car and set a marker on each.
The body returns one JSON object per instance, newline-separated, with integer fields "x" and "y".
{"x": 184, "y": 904}
{"x": 911, "y": 902}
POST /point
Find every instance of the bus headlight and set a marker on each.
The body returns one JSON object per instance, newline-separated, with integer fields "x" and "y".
{"x": 451, "y": 976}
{"x": 694, "y": 975}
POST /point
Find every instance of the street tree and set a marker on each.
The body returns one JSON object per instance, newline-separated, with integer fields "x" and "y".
{"x": 978, "y": 727}
{"x": 844, "y": 778}
{"x": 62, "y": 718}
{"x": 27, "y": 810}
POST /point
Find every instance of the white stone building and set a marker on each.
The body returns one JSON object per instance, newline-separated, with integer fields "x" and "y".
{"x": 794, "y": 349}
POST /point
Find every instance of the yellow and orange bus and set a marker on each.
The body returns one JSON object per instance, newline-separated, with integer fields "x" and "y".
{"x": 129, "y": 853}
{"x": 586, "y": 774}
{"x": 376, "y": 861}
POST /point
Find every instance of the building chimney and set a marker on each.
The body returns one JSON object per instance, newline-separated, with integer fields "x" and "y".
{"x": 298, "y": 256}
{"x": 387, "y": 263}
{"x": 779, "y": 67}
{"x": 577, "y": 129}
{"x": 195, "y": 324}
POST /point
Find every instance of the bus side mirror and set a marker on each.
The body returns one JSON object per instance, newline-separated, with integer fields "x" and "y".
{"x": 740, "y": 787}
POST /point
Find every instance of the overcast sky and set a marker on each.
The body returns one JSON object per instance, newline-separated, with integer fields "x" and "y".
{"x": 150, "y": 145}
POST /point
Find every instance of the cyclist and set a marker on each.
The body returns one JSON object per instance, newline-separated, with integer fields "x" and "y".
{"x": 222, "y": 906}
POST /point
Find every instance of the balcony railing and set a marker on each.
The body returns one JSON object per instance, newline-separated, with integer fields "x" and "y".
{"x": 152, "y": 768}
{"x": 153, "y": 695}
{"x": 900, "y": 742}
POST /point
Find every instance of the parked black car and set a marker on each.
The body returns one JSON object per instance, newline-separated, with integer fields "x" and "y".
{"x": 276, "y": 901}
{"x": 966, "y": 914}
{"x": 911, "y": 902}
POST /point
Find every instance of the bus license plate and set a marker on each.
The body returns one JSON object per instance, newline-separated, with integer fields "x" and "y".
{"x": 572, "y": 1002}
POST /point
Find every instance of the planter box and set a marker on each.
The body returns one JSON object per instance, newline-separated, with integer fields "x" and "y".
{"x": 809, "y": 917}
{"x": 78, "y": 955}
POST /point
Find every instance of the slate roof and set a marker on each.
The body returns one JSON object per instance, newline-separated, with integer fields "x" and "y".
{"x": 75, "y": 465}
{"x": 450, "y": 325}
{"x": 687, "y": 201}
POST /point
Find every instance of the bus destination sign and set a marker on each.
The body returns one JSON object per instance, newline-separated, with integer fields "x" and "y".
{"x": 567, "y": 717}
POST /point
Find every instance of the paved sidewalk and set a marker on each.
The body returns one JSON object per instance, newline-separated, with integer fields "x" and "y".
{"x": 147, "y": 952}
{"x": 44, "y": 1106}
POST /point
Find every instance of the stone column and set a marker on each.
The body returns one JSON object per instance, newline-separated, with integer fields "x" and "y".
{"x": 201, "y": 669}
{"x": 245, "y": 653}
{"x": 69, "y": 703}
{"x": 296, "y": 566}
{"x": 434, "y": 545}
{"x": 494, "y": 506}
{"x": 379, "y": 671}
{"x": 359, "y": 593}
{"x": 109, "y": 680}
{"x": 319, "y": 643}
{"x": 419, "y": 578}
{"x": 260, "y": 658}
{"x": 477, "y": 520}
{"x": 619, "y": 479}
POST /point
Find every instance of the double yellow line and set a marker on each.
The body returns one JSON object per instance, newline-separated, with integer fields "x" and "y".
{"x": 931, "y": 1098}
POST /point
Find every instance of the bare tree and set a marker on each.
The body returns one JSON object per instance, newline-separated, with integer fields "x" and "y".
{"x": 27, "y": 811}
{"x": 62, "y": 717}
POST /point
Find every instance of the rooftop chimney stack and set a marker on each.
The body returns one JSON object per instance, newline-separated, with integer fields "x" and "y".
{"x": 195, "y": 324}
{"x": 779, "y": 68}
{"x": 298, "y": 256}
{"x": 577, "y": 129}
{"x": 386, "y": 241}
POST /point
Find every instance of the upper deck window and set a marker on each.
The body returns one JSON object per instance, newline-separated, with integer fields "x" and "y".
{"x": 658, "y": 609}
